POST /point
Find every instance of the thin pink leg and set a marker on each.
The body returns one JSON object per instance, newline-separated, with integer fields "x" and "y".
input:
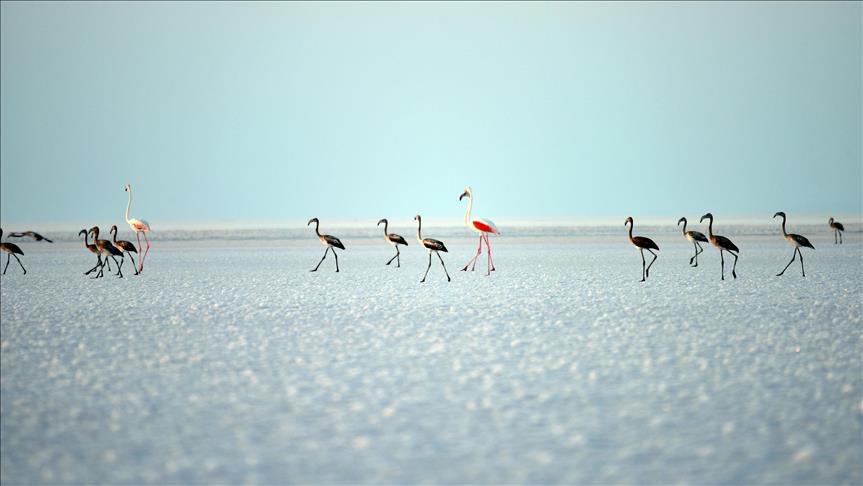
{"x": 490, "y": 259}
{"x": 473, "y": 260}
{"x": 145, "y": 251}
{"x": 140, "y": 249}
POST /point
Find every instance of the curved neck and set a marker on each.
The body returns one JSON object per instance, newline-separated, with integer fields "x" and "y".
{"x": 86, "y": 239}
{"x": 630, "y": 230}
{"x": 684, "y": 226}
{"x": 129, "y": 204}
{"x": 784, "y": 233}
{"x": 317, "y": 225}
{"x": 386, "y": 225}
{"x": 419, "y": 230}
{"x": 115, "y": 236}
{"x": 469, "y": 208}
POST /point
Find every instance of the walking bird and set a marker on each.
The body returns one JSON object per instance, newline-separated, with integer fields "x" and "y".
{"x": 433, "y": 246}
{"x": 642, "y": 243}
{"x": 124, "y": 247}
{"x": 11, "y": 250}
{"x": 694, "y": 237}
{"x": 796, "y": 241}
{"x": 837, "y": 228}
{"x": 394, "y": 240}
{"x": 139, "y": 226}
{"x": 723, "y": 244}
{"x": 482, "y": 226}
{"x": 331, "y": 242}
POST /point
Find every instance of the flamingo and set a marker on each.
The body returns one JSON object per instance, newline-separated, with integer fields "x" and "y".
{"x": 837, "y": 228}
{"x": 642, "y": 243}
{"x": 124, "y": 247}
{"x": 106, "y": 248}
{"x": 31, "y": 234}
{"x": 11, "y": 250}
{"x": 331, "y": 242}
{"x": 92, "y": 249}
{"x": 694, "y": 237}
{"x": 482, "y": 226}
{"x": 796, "y": 241}
{"x": 724, "y": 244}
{"x": 433, "y": 246}
{"x": 394, "y": 240}
{"x": 138, "y": 226}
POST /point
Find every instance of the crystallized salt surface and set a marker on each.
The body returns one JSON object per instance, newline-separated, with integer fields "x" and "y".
{"x": 232, "y": 363}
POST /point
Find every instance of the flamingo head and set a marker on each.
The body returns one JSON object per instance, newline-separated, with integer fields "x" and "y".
{"x": 681, "y": 220}
{"x": 313, "y": 220}
{"x": 628, "y": 220}
{"x": 113, "y": 229}
{"x": 417, "y": 218}
{"x": 829, "y": 221}
{"x": 466, "y": 193}
{"x": 83, "y": 232}
{"x": 706, "y": 216}
{"x": 95, "y": 231}
{"x": 382, "y": 221}
{"x": 127, "y": 187}
{"x": 780, "y": 213}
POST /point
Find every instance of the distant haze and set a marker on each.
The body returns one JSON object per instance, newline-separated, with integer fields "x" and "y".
{"x": 352, "y": 111}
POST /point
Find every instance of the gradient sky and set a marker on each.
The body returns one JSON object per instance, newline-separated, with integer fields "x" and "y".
{"x": 275, "y": 111}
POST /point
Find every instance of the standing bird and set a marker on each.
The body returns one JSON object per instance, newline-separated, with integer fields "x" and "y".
{"x": 482, "y": 226}
{"x": 138, "y": 226}
{"x": 11, "y": 250}
{"x": 92, "y": 249}
{"x": 796, "y": 241}
{"x": 394, "y": 240}
{"x": 724, "y": 244}
{"x": 694, "y": 237}
{"x": 433, "y": 246}
{"x": 107, "y": 249}
{"x": 124, "y": 247}
{"x": 642, "y": 243}
{"x": 31, "y": 234}
{"x": 331, "y": 242}
{"x": 837, "y": 228}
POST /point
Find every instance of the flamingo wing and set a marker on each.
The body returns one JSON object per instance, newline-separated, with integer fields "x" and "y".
{"x": 333, "y": 241}
{"x": 11, "y": 248}
{"x": 801, "y": 240}
{"x": 697, "y": 235}
{"x": 839, "y": 226}
{"x": 435, "y": 245}
{"x": 31, "y": 234}
{"x": 725, "y": 243}
{"x": 485, "y": 225}
{"x": 139, "y": 225}
{"x": 397, "y": 239}
{"x": 644, "y": 242}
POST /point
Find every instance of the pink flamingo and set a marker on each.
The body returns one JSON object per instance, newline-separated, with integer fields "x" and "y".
{"x": 482, "y": 226}
{"x": 138, "y": 226}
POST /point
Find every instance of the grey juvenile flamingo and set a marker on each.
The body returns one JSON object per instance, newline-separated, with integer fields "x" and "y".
{"x": 11, "y": 250}
{"x": 394, "y": 240}
{"x": 107, "y": 249}
{"x": 723, "y": 244}
{"x": 331, "y": 242}
{"x": 124, "y": 247}
{"x": 92, "y": 249}
{"x": 796, "y": 241}
{"x": 837, "y": 228}
{"x": 694, "y": 237}
{"x": 642, "y": 243}
{"x": 433, "y": 246}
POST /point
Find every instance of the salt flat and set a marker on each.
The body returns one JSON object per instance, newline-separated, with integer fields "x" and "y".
{"x": 232, "y": 363}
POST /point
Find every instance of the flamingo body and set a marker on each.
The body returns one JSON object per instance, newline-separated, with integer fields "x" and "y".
{"x": 482, "y": 226}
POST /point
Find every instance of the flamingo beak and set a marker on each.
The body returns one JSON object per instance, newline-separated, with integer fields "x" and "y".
{"x": 462, "y": 195}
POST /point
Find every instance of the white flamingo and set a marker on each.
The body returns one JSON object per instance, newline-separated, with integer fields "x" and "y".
{"x": 138, "y": 226}
{"x": 482, "y": 226}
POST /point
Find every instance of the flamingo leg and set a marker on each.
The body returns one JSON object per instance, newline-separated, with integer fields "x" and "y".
{"x": 144, "y": 255}
{"x": 643, "y": 278}
{"x": 101, "y": 269}
{"x": 337, "y": 259}
{"x": 98, "y": 264}
{"x": 793, "y": 256}
{"x": 840, "y": 237}
{"x": 119, "y": 267}
{"x": 25, "y": 270}
{"x": 473, "y": 260}
{"x": 442, "y": 264}
{"x": 134, "y": 267}
{"x": 398, "y": 257}
{"x": 798, "y": 251}
{"x": 427, "y": 270}
{"x": 835, "y": 237}
{"x": 734, "y": 268}
{"x": 109, "y": 263}
{"x": 322, "y": 259}
{"x": 394, "y": 256}
{"x": 647, "y": 272}
{"x": 8, "y": 259}
{"x": 490, "y": 258}
{"x": 722, "y": 259}
{"x": 140, "y": 260}
{"x": 695, "y": 246}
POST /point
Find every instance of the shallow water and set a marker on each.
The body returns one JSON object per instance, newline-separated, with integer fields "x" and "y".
{"x": 230, "y": 362}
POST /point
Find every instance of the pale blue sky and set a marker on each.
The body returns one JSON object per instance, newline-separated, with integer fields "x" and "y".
{"x": 285, "y": 111}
